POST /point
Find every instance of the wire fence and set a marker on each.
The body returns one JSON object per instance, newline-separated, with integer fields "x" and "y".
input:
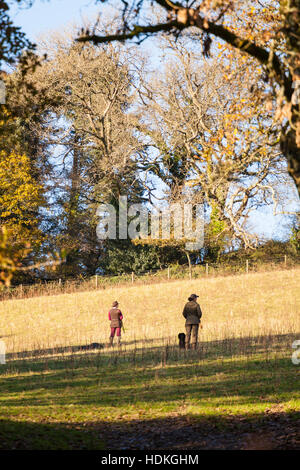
{"x": 169, "y": 273}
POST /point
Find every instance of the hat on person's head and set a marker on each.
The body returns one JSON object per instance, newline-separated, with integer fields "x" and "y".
{"x": 193, "y": 296}
{"x": 115, "y": 303}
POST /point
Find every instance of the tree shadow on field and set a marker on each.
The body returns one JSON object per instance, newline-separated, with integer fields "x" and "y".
{"x": 188, "y": 432}
{"x": 277, "y": 432}
{"x": 232, "y": 374}
{"x": 157, "y": 372}
{"x": 54, "y": 351}
{"x": 139, "y": 344}
{"x": 212, "y": 385}
{"x": 22, "y": 435}
{"x": 142, "y": 350}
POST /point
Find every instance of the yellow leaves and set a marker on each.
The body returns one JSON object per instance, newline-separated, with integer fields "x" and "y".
{"x": 5, "y": 214}
{"x": 19, "y": 192}
{"x": 20, "y": 198}
{"x": 298, "y": 134}
{"x": 5, "y": 113}
{"x": 10, "y": 254}
{"x": 193, "y": 182}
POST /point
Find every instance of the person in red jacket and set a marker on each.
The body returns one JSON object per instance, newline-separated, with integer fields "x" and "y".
{"x": 115, "y": 316}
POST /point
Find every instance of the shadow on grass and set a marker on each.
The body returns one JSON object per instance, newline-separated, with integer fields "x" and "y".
{"x": 234, "y": 384}
{"x": 143, "y": 353}
{"x": 40, "y": 436}
{"x": 78, "y": 348}
{"x": 227, "y": 385}
{"x": 225, "y": 347}
{"x": 184, "y": 432}
{"x": 240, "y": 372}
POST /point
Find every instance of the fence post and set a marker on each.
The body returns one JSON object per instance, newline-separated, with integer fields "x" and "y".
{"x": 168, "y": 272}
{"x": 96, "y": 281}
{"x": 284, "y": 260}
{"x": 132, "y": 277}
{"x": 247, "y": 266}
{"x": 59, "y": 282}
{"x": 206, "y": 269}
{"x": 21, "y": 290}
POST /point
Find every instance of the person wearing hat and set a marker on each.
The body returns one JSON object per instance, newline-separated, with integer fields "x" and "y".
{"x": 115, "y": 316}
{"x": 192, "y": 314}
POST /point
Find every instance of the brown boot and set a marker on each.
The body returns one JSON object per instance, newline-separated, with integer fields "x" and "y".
{"x": 111, "y": 340}
{"x": 119, "y": 341}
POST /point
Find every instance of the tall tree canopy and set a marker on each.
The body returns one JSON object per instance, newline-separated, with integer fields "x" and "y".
{"x": 211, "y": 135}
{"x": 268, "y": 31}
{"x": 90, "y": 124}
{"x": 90, "y": 131}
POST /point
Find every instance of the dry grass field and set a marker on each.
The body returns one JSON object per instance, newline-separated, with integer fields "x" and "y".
{"x": 256, "y": 304}
{"x": 54, "y": 394}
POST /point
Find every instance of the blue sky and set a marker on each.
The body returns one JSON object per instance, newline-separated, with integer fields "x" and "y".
{"x": 46, "y": 15}
{"x": 53, "y": 14}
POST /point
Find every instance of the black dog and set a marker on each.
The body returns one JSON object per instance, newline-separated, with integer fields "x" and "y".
{"x": 181, "y": 338}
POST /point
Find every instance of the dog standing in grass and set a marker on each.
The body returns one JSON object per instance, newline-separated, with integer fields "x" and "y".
{"x": 192, "y": 314}
{"x": 181, "y": 338}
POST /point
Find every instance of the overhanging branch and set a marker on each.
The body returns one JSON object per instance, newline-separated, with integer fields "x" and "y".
{"x": 190, "y": 17}
{"x": 136, "y": 32}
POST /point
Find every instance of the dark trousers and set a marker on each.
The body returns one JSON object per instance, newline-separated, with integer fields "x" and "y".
{"x": 191, "y": 335}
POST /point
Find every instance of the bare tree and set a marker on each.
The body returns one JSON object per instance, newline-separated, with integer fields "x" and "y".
{"x": 91, "y": 130}
{"x": 212, "y": 136}
{"x": 267, "y": 31}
